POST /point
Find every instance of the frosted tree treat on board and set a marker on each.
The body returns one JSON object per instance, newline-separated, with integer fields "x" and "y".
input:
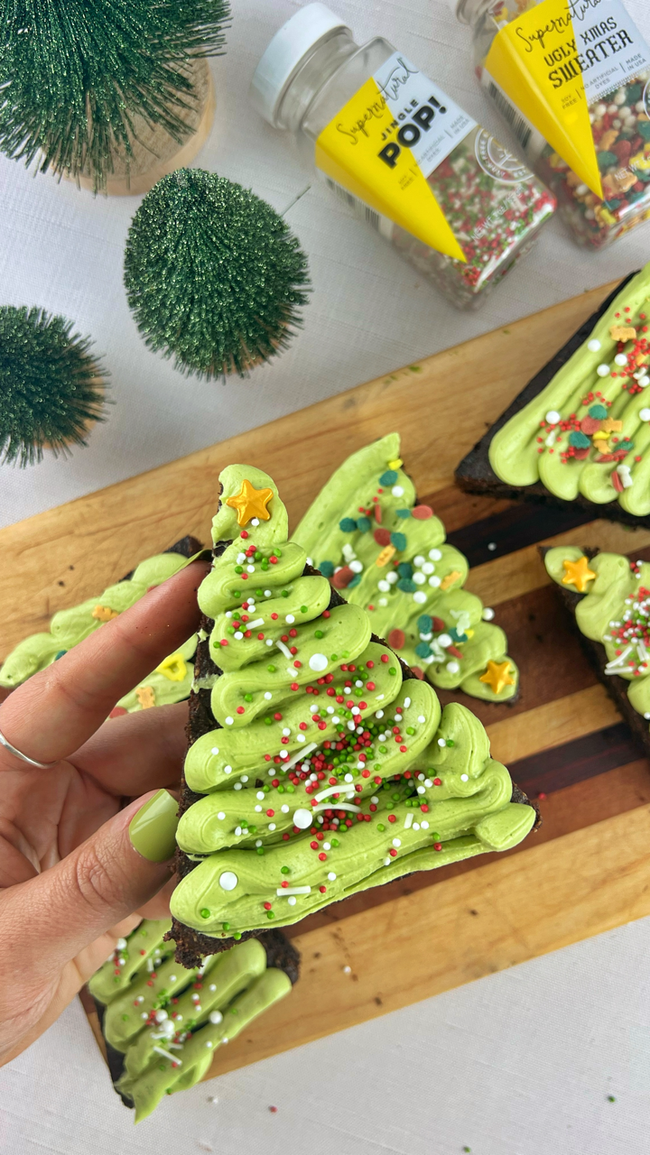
{"x": 162, "y": 1023}
{"x": 610, "y": 597}
{"x": 571, "y": 79}
{"x": 170, "y": 682}
{"x": 319, "y": 765}
{"x": 588, "y": 431}
{"x": 386, "y": 552}
{"x": 401, "y": 153}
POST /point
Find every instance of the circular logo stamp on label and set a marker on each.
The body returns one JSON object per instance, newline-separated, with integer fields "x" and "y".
{"x": 497, "y": 161}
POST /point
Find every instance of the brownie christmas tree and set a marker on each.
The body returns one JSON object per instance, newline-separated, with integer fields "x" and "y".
{"x": 385, "y": 551}
{"x": 319, "y": 765}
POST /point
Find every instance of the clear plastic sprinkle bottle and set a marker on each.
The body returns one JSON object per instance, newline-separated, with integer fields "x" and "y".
{"x": 571, "y": 79}
{"x": 401, "y": 154}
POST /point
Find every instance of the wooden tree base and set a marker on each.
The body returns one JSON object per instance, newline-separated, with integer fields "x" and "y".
{"x": 155, "y": 152}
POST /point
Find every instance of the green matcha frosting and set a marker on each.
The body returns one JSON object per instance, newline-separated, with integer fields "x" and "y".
{"x": 615, "y": 611}
{"x": 170, "y": 682}
{"x": 168, "y": 1021}
{"x": 328, "y": 770}
{"x": 388, "y": 554}
{"x": 588, "y": 431}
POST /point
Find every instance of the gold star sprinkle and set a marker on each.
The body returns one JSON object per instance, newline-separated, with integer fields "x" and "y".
{"x": 498, "y": 676}
{"x": 250, "y": 502}
{"x": 577, "y": 574}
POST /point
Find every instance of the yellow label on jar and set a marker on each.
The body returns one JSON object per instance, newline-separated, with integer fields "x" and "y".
{"x": 536, "y": 61}
{"x": 384, "y": 143}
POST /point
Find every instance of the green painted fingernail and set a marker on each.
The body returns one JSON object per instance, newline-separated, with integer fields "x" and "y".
{"x": 153, "y": 829}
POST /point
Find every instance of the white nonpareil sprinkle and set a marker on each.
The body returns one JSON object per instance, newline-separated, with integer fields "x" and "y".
{"x": 434, "y": 582}
{"x": 290, "y": 619}
{"x": 435, "y": 554}
{"x": 318, "y": 663}
{"x": 284, "y": 808}
{"x": 238, "y": 635}
{"x": 228, "y": 880}
{"x": 227, "y": 769}
{"x": 291, "y": 901}
{"x": 453, "y": 667}
{"x": 421, "y": 790}
{"x": 621, "y": 359}
{"x": 215, "y": 750}
{"x": 229, "y": 721}
{"x": 384, "y": 586}
{"x": 397, "y": 491}
{"x": 442, "y": 742}
{"x": 428, "y": 782}
{"x": 260, "y": 795}
{"x": 593, "y": 345}
{"x": 238, "y": 786}
{"x": 271, "y": 826}
{"x": 255, "y": 521}
{"x": 464, "y": 777}
{"x": 419, "y": 597}
{"x": 258, "y": 809}
{"x": 221, "y": 815}
{"x": 356, "y": 566}
{"x": 302, "y": 818}
{"x": 603, "y": 370}
{"x": 488, "y": 614}
{"x": 644, "y": 414}
{"x": 421, "y": 718}
{"x": 424, "y": 824}
{"x": 397, "y": 842}
{"x": 331, "y": 876}
{"x": 553, "y": 417}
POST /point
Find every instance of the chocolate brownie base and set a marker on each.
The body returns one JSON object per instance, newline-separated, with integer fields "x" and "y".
{"x": 475, "y": 473}
{"x": 191, "y": 945}
{"x": 616, "y": 687}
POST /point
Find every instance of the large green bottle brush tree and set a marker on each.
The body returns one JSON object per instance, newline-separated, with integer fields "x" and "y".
{"x": 51, "y": 388}
{"x": 213, "y": 274}
{"x": 75, "y": 76}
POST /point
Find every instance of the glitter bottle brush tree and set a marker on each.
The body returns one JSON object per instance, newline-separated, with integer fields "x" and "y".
{"x": 51, "y": 388}
{"x": 213, "y": 274}
{"x": 107, "y": 88}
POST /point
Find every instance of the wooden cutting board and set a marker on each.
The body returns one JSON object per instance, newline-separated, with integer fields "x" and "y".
{"x": 588, "y": 869}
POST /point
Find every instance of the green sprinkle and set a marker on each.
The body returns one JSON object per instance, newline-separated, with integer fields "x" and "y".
{"x": 285, "y": 593}
{"x": 450, "y": 742}
{"x": 392, "y": 671}
{"x": 303, "y": 609}
{"x": 205, "y": 913}
{"x": 410, "y": 729}
{"x": 319, "y": 634}
{"x": 270, "y": 914}
{"x": 268, "y": 720}
{"x": 383, "y": 750}
{"x": 381, "y": 827}
{"x": 284, "y": 870}
{"x": 260, "y": 850}
{"x": 117, "y": 979}
{"x": 271, "y": 669}
{"x": 239, "y": 569}
{"x": 162, "y": 1067}
{"x": 334, "y": 657}
{"x": 125, "y": 1018}
{"x": 335, "y": 842}
{"x": 259, "y": 593}
{"x": 249, "y": 698}
{"x": 236, "y": 936}
{"x": 225, "y": 926}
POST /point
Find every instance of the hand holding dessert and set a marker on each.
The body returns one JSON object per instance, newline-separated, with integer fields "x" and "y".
{"x": 75, "y": 862}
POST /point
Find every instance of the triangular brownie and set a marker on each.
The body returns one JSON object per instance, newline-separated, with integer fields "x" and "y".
{"x": 319, "y": 765}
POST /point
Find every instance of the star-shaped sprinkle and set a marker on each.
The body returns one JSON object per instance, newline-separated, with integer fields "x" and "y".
{"x": 498, "y": 676}
{"x": 577, "y": 574}
{"x": 250, "y": 502}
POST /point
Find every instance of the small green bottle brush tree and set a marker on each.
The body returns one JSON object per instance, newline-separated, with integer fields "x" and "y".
{"x": 51, "y": 388}
{"x": 213, "y": 274}
{"x": 75, "y": 76}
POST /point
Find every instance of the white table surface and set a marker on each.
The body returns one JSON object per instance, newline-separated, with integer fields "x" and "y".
{"x": 517, "y": 1064}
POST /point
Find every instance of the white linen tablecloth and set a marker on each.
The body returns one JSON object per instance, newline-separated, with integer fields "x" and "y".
{"x": 517, "y": 1064}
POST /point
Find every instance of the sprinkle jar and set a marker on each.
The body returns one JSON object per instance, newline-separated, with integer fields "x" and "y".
{"x": 401, "y": 154}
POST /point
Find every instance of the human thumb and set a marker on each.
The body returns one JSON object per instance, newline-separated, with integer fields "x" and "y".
{"x": 53, "y": 916}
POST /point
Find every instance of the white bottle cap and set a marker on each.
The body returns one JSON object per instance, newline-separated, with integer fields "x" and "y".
{"x": 295, "y": 39}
